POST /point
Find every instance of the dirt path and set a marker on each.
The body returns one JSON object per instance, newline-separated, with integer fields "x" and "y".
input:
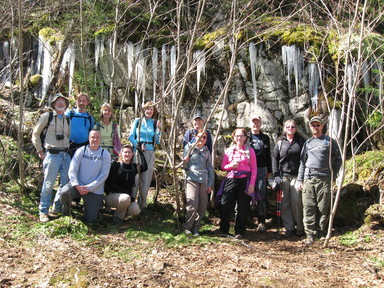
{"x": 114, "y": 260}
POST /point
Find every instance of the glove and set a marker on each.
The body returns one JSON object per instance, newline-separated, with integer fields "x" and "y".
{"x": 278, "y": 180}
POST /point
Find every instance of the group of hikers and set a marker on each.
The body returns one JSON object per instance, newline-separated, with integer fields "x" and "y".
{"x": 94, "y": 166}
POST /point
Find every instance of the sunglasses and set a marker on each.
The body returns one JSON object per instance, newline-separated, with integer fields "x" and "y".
{"x": 202, "y": 137}
{"x": 315, "y": 125}
{"x": 290, "y": 127}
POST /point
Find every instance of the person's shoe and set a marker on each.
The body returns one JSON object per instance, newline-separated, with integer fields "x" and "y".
{"x": 187, "y": 232}
{"x": 44, "y": 218}
{"x": 299, "y": 233}
{"x": 289, "y": 233}
{"x": 116, "y": 219}
{"x": 309, "y": 240}
{"x": 219, "y": 232}
{"x": 261, "y": 228}
{"x": 239, "y": 236}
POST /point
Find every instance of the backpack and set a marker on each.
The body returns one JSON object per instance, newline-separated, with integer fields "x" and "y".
{"x": 43, "y": 133}
{"x": 72, "y": 114}
{"x": 154, "y": 129}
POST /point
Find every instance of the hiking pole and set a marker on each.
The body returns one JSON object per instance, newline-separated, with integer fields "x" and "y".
{"x": 279, "y": 196}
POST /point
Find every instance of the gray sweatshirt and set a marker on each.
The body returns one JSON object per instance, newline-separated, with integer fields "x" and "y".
{"x": 314, "y": 158}
{"x": 90, "y": 168}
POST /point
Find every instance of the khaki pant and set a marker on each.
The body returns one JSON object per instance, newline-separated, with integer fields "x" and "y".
{"x": 122, "y": 203}
{"x": 197, "y": 200}
{"x": 316, "y": 202}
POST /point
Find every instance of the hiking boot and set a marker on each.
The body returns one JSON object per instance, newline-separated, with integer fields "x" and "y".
{"x": 299, "y": 233}
{"x": 44, "y": 218}
{"x": 239, "y": 236}
{"x": 117, "y": 220}
{"x": 261, "y": 228}
{"x": 289, "y": 233}
{"x": 195, "y": 232}
{"x": 309, "y": 240}
{"x": 219, "y": 232}
{"x": 187, "y": 232}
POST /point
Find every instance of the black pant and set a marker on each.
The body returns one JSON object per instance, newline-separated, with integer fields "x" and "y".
{"x": 234, "y": 193}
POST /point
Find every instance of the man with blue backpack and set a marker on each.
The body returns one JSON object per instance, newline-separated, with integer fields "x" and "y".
{"x": 320, "y": 161}
{"x": 81, "y": 123}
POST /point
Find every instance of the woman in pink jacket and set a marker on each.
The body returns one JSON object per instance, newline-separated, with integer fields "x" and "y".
{"x": 240, "y": 162}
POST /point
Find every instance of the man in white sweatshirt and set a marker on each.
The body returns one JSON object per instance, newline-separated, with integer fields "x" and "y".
{"x": 88, "y": 171}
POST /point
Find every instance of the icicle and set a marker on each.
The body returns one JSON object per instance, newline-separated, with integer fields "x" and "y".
{"x": 200, "y": 69}
{"x": 130, "y": 59}
{"x": 173, "y": 75}
{"x": 68, "y": 62}
{"x": 99, "y": 41}
{"x": 164, "y": 64}
{"x": 350, "y": 76}
{"x": 253, "y": 58}
{"x": 5, "y": 74}
{"x": 46, "y": 69}
{"x": 313, "y": 85}
{"x": 140, "y": 73}
{"x": 155, "y": 56}
{"x": 294, "y": 63}
{"x": 334, "y": 123}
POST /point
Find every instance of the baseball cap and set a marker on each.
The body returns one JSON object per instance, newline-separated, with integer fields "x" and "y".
{"x": 255, "y": 116}
{"x": 198, "y": 116}
{"x": 316, "y": 119}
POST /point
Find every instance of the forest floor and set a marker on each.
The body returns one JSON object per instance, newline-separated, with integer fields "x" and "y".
{"x": 149, "y": 251}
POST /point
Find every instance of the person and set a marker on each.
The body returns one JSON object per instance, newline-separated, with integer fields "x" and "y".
{"x": 145, "y": 134}
{"x": 88, "y": 171}
{"x": 240, "y": 162}
{"x": 110, "y": 130}
{"x": 260, "y": 143}
{"x": 121, "y": 186}
{"x": 285, "y": 166}
{"x": 199, "y": 182}
{"x": 320, "y": 161}
{"x": 81, "y": 123}
{"x": 54, "y": 150}
{"x": 198, "y": 125}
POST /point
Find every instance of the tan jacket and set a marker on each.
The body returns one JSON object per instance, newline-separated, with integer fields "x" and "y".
{"x": 57, "y": 126}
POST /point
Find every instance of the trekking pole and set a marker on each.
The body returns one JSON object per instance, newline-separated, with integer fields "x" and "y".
{"x": 279, "y": 196}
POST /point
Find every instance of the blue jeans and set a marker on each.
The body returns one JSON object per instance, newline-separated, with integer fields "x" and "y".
{"x": 52, "y": 165}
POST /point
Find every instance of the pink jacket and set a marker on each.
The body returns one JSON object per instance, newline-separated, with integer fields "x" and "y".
{"x": 247, "y": 162}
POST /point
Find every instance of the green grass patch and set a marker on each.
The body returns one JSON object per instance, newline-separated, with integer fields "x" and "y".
{"x": 350, "y": 238}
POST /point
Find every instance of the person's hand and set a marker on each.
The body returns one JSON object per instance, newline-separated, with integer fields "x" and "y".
{"x": 278, "y": 180}
{"x": 41, "y": 155}
{"x": 82, "y": 189}
{"x": 251, "y": 189}
{"x": 209, "y": 190}
{"x": 158, "y": 125}
{"x": 234, "y": 165}
{"x": 142, "y": 147}
{"x": 299, "y": 186}
{"x": 186, "y": 159}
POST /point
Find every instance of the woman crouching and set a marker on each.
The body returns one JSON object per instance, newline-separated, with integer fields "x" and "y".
{"x": 200, "y": 177}
{"x": 121, "y": 186}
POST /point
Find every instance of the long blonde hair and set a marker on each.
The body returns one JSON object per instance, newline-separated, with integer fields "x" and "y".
{"x": 101, "y": 110}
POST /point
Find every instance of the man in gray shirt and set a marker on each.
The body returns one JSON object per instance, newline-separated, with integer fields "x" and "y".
{"x": 320, "y": 160}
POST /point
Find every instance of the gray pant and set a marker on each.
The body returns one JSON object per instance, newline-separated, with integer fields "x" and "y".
{"x": 92, "y": 202}
{"x": 197, "y": 200}
{"x": 291, "y": 205}
{"x": 316, "y": 202}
